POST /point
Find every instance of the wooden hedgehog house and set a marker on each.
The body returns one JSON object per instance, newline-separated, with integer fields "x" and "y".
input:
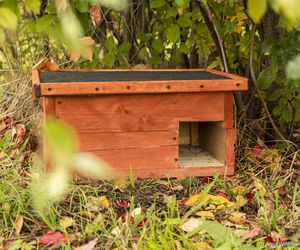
{"x": 147, "y": 123}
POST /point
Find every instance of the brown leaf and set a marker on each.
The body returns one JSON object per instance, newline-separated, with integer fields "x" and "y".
{"x": 191, "y": 224}
{"x": 19, "y": 131}
{"x": 201, "y": 245}
{"x": 19, "y": 224}
{"x": 87, "y": 41}
{"x": 89, "y": 246}
{"x": 51, "y": 238}
{"x": 251, "y": 234}
{"x": 87, "y": 53}
{"x": 236, "y": 217}
{"x": 73, "y": 54}
{"x": 95, "y": 14}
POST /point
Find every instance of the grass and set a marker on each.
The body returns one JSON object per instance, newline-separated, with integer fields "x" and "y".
{"x": 152, "y": 213}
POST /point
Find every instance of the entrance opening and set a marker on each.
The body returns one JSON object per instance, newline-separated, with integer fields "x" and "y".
{"x": 202, "y": 144}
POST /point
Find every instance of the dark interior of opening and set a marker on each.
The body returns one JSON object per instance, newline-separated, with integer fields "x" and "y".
{"x": 126, "y": 76}
{"x": 201, "y": 144}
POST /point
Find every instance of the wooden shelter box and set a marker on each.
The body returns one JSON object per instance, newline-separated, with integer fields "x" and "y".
{"x": 147, "y": 123}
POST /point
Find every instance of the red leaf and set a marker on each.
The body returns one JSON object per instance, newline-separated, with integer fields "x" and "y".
{"x": 89, "y": 246}
{"x": 95, "y": 14}
{"x": 249, "y": 196}
{"x": 251, "y": 234}
{"x": 281, "y": 190}
{"x": 269, "y": 239}
{"x": 51, "y": 238}
{"x": 256, "y": 150}
{"x": 141, "y": 223}
{"x": 123, "y": 204}
{"x": 222, "y": 194}
{"x": 9, "y": 244}
{"x": 124, "y": 218}
{"x": 205, "y": 180}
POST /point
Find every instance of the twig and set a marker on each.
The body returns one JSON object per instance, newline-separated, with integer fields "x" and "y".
{"x": 277, "y": 131}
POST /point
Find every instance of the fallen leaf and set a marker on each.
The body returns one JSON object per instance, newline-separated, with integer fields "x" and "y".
{"x": 257, "y": 149}
{"x": 168, "y": 199}
{"x": 206, "y": 214}
{"x": 123, "y": 204}
{"x": 120, "y": 185}
{"x": 104, "y": 203}
{"x": 238, "y": 189}
{"x": 217, "y": 200}
{"x": 240, "y": 201}
{"x": 51, "y": 238}
{"x": 66, "y": 222}
{"x": 237, "y": 217}
{"x": 249, "y": 196}
{"x": 221, "y": 207}
{"x": 201, "y": 245}
{"x": 135, "y": 212}
{"x": 178, "y": 188}
{"x": 251, "y": 234}
{"x": 191, "y": 224}
{"x": 19, "y": 224}
{"x": 281, "y": 190}
{"x": 260, "y": 187}
{"x": 116, "y": 231}
{"x": 222, "y": 194}
{"x": 89, "y": 246}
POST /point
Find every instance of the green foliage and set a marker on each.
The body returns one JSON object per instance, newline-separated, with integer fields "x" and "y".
{"x": 257, "y": 8}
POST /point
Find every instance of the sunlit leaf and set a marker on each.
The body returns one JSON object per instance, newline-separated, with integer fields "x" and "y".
{"x": 8, "y": 19}
{"x": 60, "y": 141}
{"x": 173, "y": 33}
{"x": 293, "y": 68}
{"x": 191, "y": 224}
{"x": 33, "y": 5}
{"x": 89, "y": 165}
{"x": 257, "y": 8}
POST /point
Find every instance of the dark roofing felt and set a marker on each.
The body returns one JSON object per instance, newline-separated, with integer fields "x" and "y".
{"x": 126, "y": 76}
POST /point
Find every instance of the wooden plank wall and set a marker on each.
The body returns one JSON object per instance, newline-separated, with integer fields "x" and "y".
{"x": 138, "y": 132}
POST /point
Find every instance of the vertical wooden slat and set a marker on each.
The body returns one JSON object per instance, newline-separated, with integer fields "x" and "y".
{"x": 228, "y": 110}
{"x": 194, "y": 134}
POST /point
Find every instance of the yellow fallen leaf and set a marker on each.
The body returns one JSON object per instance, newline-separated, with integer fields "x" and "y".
{"x": 87, "y": 53}
{"x": 120, "y": 185}
{"x": 238, "y": 189}
{"x": 66, "y": 222}
{"x": 19, "y": 224}
{"x": 206, "y": 214}
{"x": 217, "y": 199}
{"x": 211, "y": 206}
{"x": 221, "y": 207}
{"x": 240, "y": 201}
{"x": 201, "y": 245}
{"x": 236, "y": 217}
{"x": 196, "y": 199}
{"x": 260, "y": 187}
{"x": 104, "y": 202}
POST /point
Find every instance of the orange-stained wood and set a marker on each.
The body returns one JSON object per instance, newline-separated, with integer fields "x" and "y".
{"x": 124, "y": 140}
{"x": 150, "y": 112}
{"x": 48, "y": 106}
{"x": 140, "y": 158}
{"x": 229, "y": 151}
{"x": 104, "y": 88}
{"x": 228, "y": 105}
{"x": 174, "y": 172}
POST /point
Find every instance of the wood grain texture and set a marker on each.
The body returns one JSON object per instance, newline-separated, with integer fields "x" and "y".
{"x": 175, "y": 172}
{"x": 119, "y": 113}
{"x": 140, "y": 158}
{"x": 124, "y": 140}
{"x": 230, "y": 154}
{"x": 228, "y": 106}
{"x": 104, "y": 88}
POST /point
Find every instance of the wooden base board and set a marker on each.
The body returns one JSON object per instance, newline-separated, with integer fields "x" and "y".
{"x": 196, "y": 157}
